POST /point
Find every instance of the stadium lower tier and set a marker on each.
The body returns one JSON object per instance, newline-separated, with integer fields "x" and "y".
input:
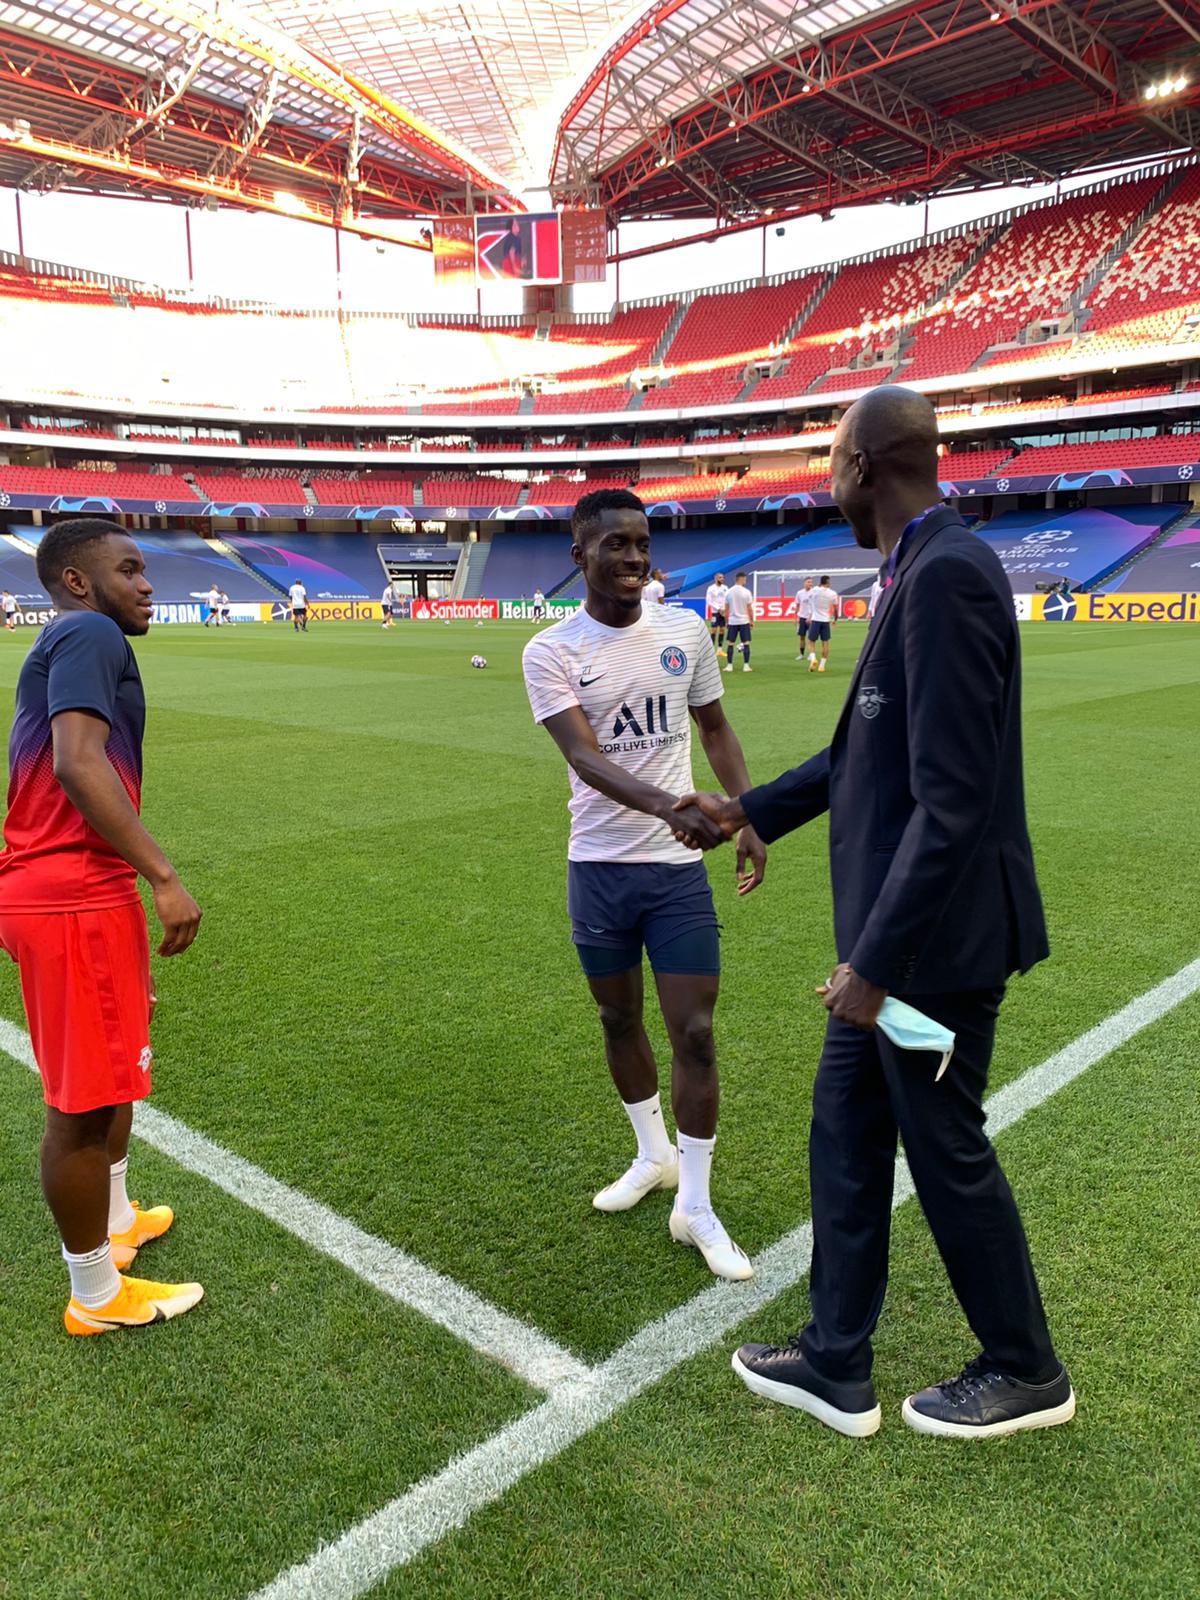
{"x": 1138, "y": 548}
{"x": 1161, "y": 458}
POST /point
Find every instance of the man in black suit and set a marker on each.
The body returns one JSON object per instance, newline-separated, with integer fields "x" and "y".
{"x": 935, "y": 902}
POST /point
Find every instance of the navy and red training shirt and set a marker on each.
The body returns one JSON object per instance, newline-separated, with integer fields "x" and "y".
{"x": 53, "y": 860}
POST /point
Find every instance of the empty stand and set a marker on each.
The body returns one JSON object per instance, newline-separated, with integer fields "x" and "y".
{"x": 1175, "y": 449}
{"x": 1026, "y": 275}
{"x": 721, "y": 334}
{"x": 368, "y": 490}
{"x": 331, "y": 566}
{"x": 861, "y": 316}
{"x": 235, "y": 489}
{"x": 1152, "y": 291}
{"x": 593, "y": 360}
{"x": 446, "y": 489}
{"x": 79, "y": 483}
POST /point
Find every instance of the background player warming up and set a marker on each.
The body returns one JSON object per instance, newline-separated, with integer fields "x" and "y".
{"x": 614, "y": 686}
{"x": 803, "y": 614}
{"x": 716, "y": 601}
{"x": 71, "y": 919}
{"x": 824, "y": 615}
{"x": 741, "y": 620}
{"x": 298, "y": 600}
{"x": 655, "y": 592}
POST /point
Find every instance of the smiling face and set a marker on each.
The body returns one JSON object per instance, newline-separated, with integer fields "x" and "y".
{"x": 614, "y": 556}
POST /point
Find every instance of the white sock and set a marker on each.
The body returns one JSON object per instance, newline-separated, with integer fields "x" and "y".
{"x": 94, "y": 1279}
{"x": 647, "y": 1119}
{"x": 695, "y": 1164}
{"x": 120, "y": 1212}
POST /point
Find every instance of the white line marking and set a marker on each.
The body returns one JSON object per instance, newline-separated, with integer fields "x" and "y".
{"x": 391, "y": 1537}
{"x": 506, "y": 1339}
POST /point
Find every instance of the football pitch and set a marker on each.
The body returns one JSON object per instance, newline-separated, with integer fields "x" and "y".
{"x": 425, "y": 1366}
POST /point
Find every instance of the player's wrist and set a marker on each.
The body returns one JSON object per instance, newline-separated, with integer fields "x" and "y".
{"x": 162, "y": 875}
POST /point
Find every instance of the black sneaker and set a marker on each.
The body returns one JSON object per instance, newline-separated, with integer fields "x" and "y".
{"x": 785, "y": 1375}
{"x": 982, "y": 1403}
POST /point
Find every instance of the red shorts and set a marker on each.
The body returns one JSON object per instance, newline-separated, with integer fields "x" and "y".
{"x": 85, "y": 981}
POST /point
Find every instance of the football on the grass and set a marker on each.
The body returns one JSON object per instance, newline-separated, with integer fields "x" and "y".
{"x": 479, "y": 661}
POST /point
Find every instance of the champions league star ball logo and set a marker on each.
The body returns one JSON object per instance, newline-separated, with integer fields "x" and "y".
{"x": 674, "y": 661}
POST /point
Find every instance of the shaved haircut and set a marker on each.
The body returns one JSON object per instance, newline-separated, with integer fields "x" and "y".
{"x": 897, "y": 430}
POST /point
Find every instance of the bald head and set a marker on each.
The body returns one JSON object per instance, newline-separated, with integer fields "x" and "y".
{"x": 884, "y": 458}
{"x": 897, "y": 429}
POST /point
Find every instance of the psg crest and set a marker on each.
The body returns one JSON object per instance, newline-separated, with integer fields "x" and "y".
{"x": 674, "y": 661}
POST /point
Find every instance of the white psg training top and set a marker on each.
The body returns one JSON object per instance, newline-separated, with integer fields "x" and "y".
{"x": 635, "y": 686}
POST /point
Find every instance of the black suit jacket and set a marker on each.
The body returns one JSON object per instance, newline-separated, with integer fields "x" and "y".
{"x": 934, "y": 887}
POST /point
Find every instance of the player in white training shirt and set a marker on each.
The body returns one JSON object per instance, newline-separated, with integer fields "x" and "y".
{"x": 539, "y": 606}
{"x": 824, "y": 615}
{"x": 655, "y": 592}
{"x": 741, "y": 620}
{"x": 214, "y": 607}
{"x": 616, "y": 685}
{"x": 803, "y": 614}
{"x": 716, "y": 601}
{"x": 298, "y": 600}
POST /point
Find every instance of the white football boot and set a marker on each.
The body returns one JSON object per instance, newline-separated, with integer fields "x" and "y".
{"x": 642, "y": 1178}
{"x": 704, "y": 1231}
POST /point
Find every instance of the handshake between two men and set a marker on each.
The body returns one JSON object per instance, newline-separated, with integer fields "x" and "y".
{"x": 704, "y": 821}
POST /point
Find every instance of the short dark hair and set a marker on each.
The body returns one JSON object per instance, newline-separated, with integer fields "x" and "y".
{"x": 825, "y": 579}
{"x": 589, "y": 509}
{"x": 62, "y": 546}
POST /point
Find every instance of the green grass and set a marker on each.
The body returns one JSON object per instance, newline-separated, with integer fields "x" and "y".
{"x": 383, "y": 1009}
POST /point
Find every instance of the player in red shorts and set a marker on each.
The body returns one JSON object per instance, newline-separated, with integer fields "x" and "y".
{"x": 71, "y": 918}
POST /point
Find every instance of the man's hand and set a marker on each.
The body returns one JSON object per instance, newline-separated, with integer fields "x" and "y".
{"x": 750, "y": 848}
{"x": 852, "y": 999}
{"x": 726, "y": 814}
{"x": 692, "y": 827}
{"x": 179, "y": 915}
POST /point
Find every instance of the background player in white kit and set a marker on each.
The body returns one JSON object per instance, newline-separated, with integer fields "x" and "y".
{"x": 824, "y": 615}
{"x": 803, "y": 614}
{"x": 716, "y": 601}
{"x": 741, "y": 620}
{"x": 539, "y": 606}
{"x": 615, "y": 685}
{"x": 10, "y": 610}
{"x": 214, "y": 607}
{"x": 298, "y": 600}
{"x": 655, "y": 592}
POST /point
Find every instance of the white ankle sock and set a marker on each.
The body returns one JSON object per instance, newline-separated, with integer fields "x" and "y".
{"x": 695, "y": 1164}
{"x": 120, "y": 1212}
{"x": 647, "y": 1119}
{"x": 94, "y": 1279}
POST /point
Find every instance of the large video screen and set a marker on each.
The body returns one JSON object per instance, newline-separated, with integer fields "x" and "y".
{"x": 519, "y": 248}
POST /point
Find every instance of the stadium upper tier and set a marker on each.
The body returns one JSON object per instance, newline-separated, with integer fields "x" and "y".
{"x": 1107, "y": 276}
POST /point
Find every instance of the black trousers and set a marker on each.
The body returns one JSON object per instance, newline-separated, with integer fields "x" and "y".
{"x": 866, "y": 1090}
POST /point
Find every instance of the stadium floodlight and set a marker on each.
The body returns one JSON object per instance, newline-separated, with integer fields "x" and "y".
{"x": 285, "y": 200}
{"x": 1181, "y": 84}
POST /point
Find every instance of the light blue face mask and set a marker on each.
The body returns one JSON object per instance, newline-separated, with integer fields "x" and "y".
{"x": 911, "y": 1029}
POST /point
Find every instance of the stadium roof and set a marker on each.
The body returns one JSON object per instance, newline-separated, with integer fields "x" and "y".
{"x": 739, "y": 109}
{"x": 730, "y": 110}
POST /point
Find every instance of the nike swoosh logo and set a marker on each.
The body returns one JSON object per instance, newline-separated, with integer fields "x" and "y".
{"x": 584, "y": 682}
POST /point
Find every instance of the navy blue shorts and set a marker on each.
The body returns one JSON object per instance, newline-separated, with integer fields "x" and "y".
{"x": 619, "y": 908}
{"x": 737, "y": 631}
{"x": 819, "y": 630}
{"x": 803, "y": 624}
